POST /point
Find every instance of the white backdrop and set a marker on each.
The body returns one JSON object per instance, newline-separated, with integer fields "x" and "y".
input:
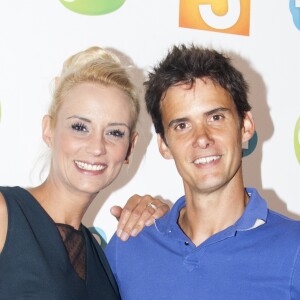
{"x": 37, "y": 36}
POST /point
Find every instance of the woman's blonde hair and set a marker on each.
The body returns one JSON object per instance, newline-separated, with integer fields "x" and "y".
{"x": 98, "y": 66}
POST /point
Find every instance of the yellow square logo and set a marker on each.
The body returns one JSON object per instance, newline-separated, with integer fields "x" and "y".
{"x": 227, "y": 16}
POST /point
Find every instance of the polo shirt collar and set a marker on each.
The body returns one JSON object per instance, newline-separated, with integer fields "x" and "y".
{"x": 255, "y": 215}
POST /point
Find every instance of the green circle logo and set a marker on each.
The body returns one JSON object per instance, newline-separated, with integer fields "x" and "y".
{"x": 101, "y": 234}
{"x": 251, "y": 145}
{"x": 92, "y": 7}
{"x": 297, "y": 140}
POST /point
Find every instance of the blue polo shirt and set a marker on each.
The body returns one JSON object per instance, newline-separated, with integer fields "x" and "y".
{"x": 255, "y": 258}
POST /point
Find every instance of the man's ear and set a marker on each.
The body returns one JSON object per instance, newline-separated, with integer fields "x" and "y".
{"x": 163, "y": 148}
{"x": 248, "y": 127}
{"x": 47, "y": 130}
{"x": 132, "y": 144}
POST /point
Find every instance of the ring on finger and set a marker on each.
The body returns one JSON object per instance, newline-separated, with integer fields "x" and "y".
{"x": 150, "y": 204}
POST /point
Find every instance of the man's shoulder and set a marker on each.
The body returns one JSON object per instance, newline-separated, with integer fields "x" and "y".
{"x": 283, "y": 224}
{"x": 145, "y": 233}
{"x": 155, "y": 232}
{"x": 282, "y": 218}
{"x": 150, "y": 237}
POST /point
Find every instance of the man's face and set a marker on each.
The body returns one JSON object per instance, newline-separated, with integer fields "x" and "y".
{"x": 204, "y": 135}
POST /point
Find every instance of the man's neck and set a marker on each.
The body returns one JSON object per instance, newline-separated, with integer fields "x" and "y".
{"x": 210, "y": 214}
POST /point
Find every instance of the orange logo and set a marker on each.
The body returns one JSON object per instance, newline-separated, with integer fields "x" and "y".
{"x": 227, "y": 16}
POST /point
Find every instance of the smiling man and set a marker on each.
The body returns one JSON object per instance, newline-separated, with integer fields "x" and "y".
{"x": 220, "y": 240}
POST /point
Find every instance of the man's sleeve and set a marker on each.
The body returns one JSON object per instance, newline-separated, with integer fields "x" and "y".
{"x": 111, "y": 253}
{"x": 295, "y": 280}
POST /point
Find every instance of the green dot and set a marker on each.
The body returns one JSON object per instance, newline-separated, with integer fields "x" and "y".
{"x": 92, "y": 7}
{"x": 101, "y": 234}
{"x": 251, "y": 145}
{"x": 297, "y": 140}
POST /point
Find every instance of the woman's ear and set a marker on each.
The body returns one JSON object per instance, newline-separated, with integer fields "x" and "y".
{"x": 248, "y": 127}
{"x": 132, "y": 144}
{"x": 47, "y": 130}
{"x": 56, "y": 81}
{"x": 163, "y": 148}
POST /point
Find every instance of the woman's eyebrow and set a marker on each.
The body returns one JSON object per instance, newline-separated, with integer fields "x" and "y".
{"x": 89, "y": 121}
{"x": 119, "y": 124}
{"x": 80, "y": 118}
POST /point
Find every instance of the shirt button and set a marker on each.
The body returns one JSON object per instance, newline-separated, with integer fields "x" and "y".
{"x": 186, "y": 243}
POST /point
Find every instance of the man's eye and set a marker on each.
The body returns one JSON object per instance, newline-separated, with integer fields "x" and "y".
{"x": 217, "y": 117}
{"x": 180, "y": 126}
{"x": 116, "y": 133}
{"x": 79, "y": 127}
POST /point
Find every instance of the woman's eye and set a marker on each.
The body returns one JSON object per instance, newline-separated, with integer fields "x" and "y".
{"x": 116, "y": 133}
{"x": 79, "y": 127}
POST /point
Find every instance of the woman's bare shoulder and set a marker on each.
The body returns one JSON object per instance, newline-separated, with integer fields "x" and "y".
{"x": 3, "y": 221}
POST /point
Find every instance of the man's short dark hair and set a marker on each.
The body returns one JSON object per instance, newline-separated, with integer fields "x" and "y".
{"x": 183, "y": 65}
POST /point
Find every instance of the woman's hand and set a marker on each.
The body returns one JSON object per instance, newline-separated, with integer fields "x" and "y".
{"x": 138, "y": 212}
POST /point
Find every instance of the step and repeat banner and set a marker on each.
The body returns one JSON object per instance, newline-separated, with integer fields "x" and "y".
{"x": 262, "y": 37}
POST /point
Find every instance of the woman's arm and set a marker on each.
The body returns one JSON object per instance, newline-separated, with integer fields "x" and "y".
{"x": 3, "y": 222}
{"x": 138, "y": 212}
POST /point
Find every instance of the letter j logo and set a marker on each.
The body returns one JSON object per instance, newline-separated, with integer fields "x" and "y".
{"x": 227, "y": 16}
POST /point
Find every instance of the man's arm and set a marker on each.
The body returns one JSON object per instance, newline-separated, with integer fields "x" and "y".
{"x": 295, "y": 281}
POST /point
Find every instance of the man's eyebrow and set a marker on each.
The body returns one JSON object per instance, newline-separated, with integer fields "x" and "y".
{"x": 176, "y": 121}
{"x": 208, "y": 113}
{"x": 216, "y": 110}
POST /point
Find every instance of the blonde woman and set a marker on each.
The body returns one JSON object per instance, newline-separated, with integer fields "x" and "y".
{"x": 46, "y": 252}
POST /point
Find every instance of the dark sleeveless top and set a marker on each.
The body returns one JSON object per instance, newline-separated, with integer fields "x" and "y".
{"x": 34, "y": 263}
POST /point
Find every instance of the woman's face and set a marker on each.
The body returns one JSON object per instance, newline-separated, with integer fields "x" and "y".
{"x": 91, "y": 138}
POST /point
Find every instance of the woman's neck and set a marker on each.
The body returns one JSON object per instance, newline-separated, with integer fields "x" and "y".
{"x": 60, "y": 204}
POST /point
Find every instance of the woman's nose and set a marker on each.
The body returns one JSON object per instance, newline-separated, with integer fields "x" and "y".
{"x": 96, "y": 145}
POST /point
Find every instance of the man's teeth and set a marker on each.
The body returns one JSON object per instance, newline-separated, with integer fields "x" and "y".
{"x": 207, "y": 160}
{"x": 89, "y": 167}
